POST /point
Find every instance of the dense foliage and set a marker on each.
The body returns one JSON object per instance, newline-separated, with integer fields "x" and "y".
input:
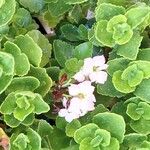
{"x": 75, "y": 74}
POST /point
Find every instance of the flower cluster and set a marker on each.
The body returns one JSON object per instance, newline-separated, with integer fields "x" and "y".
{"x": 93, "y": 70}
{"x": 81, "y": 98}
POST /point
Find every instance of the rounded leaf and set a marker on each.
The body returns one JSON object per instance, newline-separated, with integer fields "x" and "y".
{"x": 7, "y": 70}
{"x": 7, "y": 10}
{"x": 138, "y": 13}
{"x": 102, "y": 35}
{"x": 143, "y": 90}
{"x": 141, "y": 126}
{"x": 83, "y": 50}
{"x": 120, "y": 84}
{"x": 30, "y": 48}
{"x": 106, "y": 11}
{"x": 22, "y": 65}
{"x": 27, "y": 83}
{"x": 72, "y": 127}
{"x": 112, "y": 123}
{"x": 85, "y": 131}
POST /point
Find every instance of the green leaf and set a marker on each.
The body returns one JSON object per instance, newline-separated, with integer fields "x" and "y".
{"x": 114, "y": 144}
{"x": 143, "y": 66}
{"x": 29, "y": 120}
{"x": 44, "y": 128}
{"x": 124, "y": 3}
{"x": 21, "y": 141}
{"x": 141, "y": 126}
{"x": 7, "y": 10}
{"x": 144, "y": 54}
{"x": 102, "y": 137}
{"x": 75, "y": 1}
{"x": 133, "y": 75}
{"x": 130, "y": 49}
{"x": 25, "y": 141}
{"x": 8, "y": 105}
{"x": 51, "y": 20}
{"x": 50, "y": 1}
{"x": 27, "y": 83}
{"x": 6, "y": 70}
{"x": 72, "y": 127}
{"x": 23, "y": 105}
{"x": 43, "y": 43}
{"x": 40, "y": 105}
{"x": 22, "y": 18}
{"x": 2, "y": 3}
{"x": 106, "y": 11}
{"x": 35, "y": 139}
{"x": 83, "y": 31}
{"x": 102, "y": 35}
{"x": 138, "y": 13}
{"x": 85, "y": 131}
{"x": 108, "y": 89}
{"x": 59, "y": 135}
{"x": 4, "y": 30}
{"x": 70, "y": 32}
{"x": 122, "y": 32}
{"x": 42, "y": 76}
{"x": 120, "y": 84}
{"x": 119, "y": 19}
{"x": 92, "y": 37}
{"x": 62, "y": 51}
{"x": 59, "y": 8}
{"x": 73, "y": 65}
{"x": 83, "y": 50}
{"x": 146, "y": 108}
{"x": 85, "y": 144}
{"x": 11, "y": 121}
{"x": 117, "y": 64}
{"x": 53, "y": 72}
{"x": 22, "y": 65}
{"x": 76, "y": 14}
{"x": 20, "y": 114}
{"x": 72, "y": 147}
{"x": 30, "y": 48}
{"x": 131, "y": 111}
{"x": 143, "y": 90}
{"x": 112, "y": 123}
{"x": 32, "y": 5}
{"x": 134, "y": 139}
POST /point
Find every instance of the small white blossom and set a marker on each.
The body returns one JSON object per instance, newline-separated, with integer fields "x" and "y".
{"x": 90, "y": 15}
{"x": 69, "y": 116}
{"x": 81, "y": 102}
{"x": 93, "y": 70}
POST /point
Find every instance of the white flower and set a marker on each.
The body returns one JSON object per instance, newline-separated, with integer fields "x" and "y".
{"x": 90, "y": 15}
{"x": 69, "y": 116}
{"x": 93, "y": 70}
{"x": 81, "y": 102}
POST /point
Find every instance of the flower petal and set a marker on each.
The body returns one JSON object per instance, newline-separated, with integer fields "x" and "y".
{"x": 93, "y": 76}
{"x": 64, "y": 102}
{"x": 79, "y": 76}
{"x": 99, "y": 60}
{"x": 73, "y": 90}
{"x": 86, "y": 88}
{"x": 101, "y": 77}
{"x": 70, "y": 116}
{"x": 62, "y": 112}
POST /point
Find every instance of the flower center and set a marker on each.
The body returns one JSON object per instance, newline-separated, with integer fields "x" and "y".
{"x": 81, "y": 96}
{"x": 95, "y": 68}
